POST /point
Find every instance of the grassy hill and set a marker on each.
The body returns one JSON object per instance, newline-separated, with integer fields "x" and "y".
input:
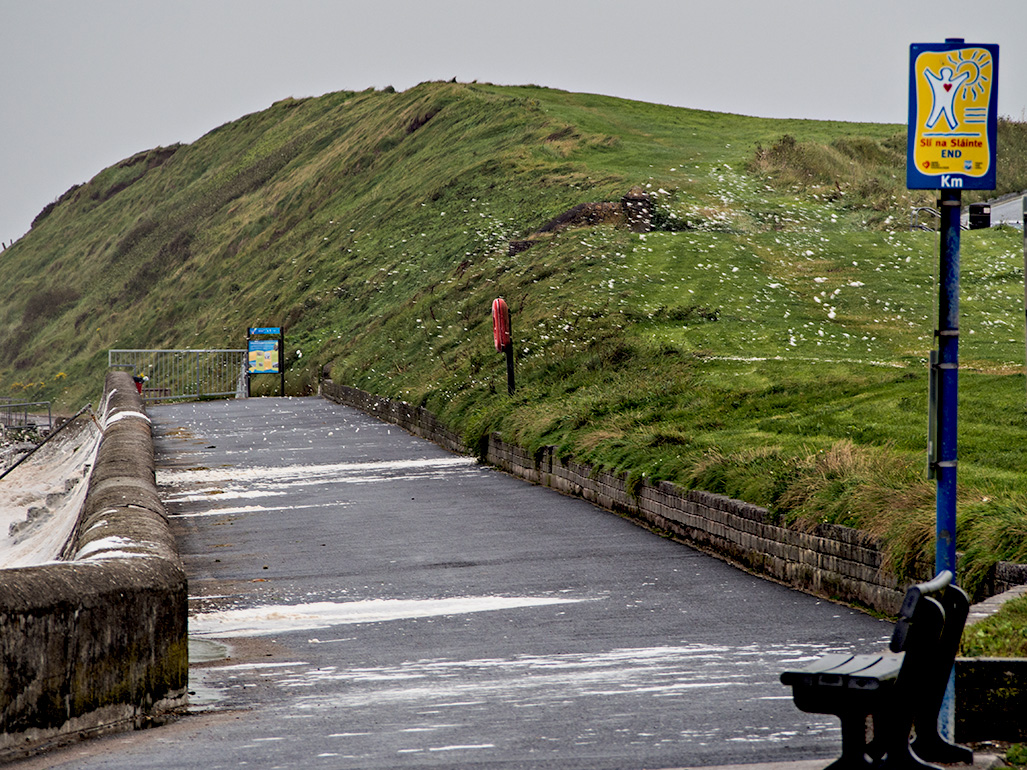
{"x": 767, "y": 340}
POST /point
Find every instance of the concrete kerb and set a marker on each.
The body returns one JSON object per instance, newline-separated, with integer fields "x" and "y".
{"x": 98, "y": 642}
{"x": 831, "y": 561}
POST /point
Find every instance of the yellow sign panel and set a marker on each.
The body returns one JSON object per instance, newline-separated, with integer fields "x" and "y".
{"x": 263, "y": 356}
{"x": 952, "y": 117}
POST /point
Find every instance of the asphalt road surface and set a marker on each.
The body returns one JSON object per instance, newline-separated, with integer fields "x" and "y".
{"x": 1007, "y": 212}
{"x": 365, "y": 599}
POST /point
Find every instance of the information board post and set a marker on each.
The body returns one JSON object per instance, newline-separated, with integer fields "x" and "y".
{"x": 953, "y": 124}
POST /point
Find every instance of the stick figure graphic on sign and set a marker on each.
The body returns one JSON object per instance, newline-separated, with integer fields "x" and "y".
{"x": 943, "y": 90}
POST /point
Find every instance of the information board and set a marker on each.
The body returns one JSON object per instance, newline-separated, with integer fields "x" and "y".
{"x": 953, "y": 116}
{"x": 263, "y": 356}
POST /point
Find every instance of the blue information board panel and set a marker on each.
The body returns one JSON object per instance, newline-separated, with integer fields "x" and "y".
{"x": 263, "y": 357}
{"x": 953, "y": 116}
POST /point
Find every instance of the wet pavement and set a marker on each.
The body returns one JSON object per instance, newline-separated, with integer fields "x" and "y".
{"x": 361, "y": 598}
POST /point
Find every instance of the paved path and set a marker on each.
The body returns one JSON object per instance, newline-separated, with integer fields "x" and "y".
{"x": 1007, "y": 212}
{"x": 386, "y": 604}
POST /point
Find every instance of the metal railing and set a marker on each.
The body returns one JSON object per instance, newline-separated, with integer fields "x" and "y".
{"x": 174, "y": 375}
{"x": 24, "y": 414}
{"x": 916, "y": 224}
{"x": 914, "y": 218}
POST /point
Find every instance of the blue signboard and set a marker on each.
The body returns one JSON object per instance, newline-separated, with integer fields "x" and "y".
{"x": 275, "y": 330}
{"x": 263, "y": 356}
{"x": 953, "y": 116}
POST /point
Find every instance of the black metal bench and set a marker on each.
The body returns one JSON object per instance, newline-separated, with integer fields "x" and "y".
{"x": 901, "y": 689}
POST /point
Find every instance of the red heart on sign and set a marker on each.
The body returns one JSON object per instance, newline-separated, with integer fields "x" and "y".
{"x": 927, "y": 164}
{"x": 947, "y": 86}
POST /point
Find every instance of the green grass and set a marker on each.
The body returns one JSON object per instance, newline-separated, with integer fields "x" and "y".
{"x": 767, "y": 341}
{"x": 1016, "y": 755}
{"x": 1003, "y": 635}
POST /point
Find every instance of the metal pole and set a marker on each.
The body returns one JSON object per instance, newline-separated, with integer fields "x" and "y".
{"x": 948, "y": 388}
{"x": 948, "y": 366}
{"x": 510, "y": 369}
{"x": 510, "y": 359}
{"x": 247, "y": 362}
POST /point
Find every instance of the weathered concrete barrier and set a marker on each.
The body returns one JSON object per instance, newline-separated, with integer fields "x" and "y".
{"x": 98, "y": 642}
{"x": 991, "y": 699}
{"x": 829, "y": 560}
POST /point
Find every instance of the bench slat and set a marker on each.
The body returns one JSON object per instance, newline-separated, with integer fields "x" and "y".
{"x": 824, "y": 663}
{"x": 852, "y": 672}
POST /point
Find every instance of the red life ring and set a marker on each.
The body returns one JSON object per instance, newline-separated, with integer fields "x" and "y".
{"x": 501, "y": 324}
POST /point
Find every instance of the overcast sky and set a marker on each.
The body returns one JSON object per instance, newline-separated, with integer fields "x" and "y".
{"x": 86, "y": 83}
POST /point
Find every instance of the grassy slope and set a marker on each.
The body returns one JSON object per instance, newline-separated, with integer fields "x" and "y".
{"x": 1003, "y": 635}
{"x": 768, "y": 342}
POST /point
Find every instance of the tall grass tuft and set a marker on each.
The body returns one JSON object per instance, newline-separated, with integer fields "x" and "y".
{"x": 989, "y": 532}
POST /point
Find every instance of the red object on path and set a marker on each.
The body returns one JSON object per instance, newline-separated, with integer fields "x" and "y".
{"x": 501, "y": 324}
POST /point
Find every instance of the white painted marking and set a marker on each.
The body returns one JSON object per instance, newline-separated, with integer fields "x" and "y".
{"x": 255, "y": 666}
{"x": 287, "y": 472}
{"x": 111, "y": 547}
{"x": 257, "y": 509}
{"x": 124, "y": 416}
{"x": 261, "y": 621}
{"x": 464, "y": 747}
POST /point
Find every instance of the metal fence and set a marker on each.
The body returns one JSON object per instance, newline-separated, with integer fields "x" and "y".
{"x": 170, "y": 375}
{"x": 25, "y": 414}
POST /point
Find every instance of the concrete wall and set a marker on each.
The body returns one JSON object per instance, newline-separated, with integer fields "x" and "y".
{"x": 992, "y": 699}
{"x": 98, "y": 642}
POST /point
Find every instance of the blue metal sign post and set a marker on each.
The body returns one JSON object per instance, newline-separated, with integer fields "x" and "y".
{"x": 947, "y": 375}
{"x": 953, "y": 123}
